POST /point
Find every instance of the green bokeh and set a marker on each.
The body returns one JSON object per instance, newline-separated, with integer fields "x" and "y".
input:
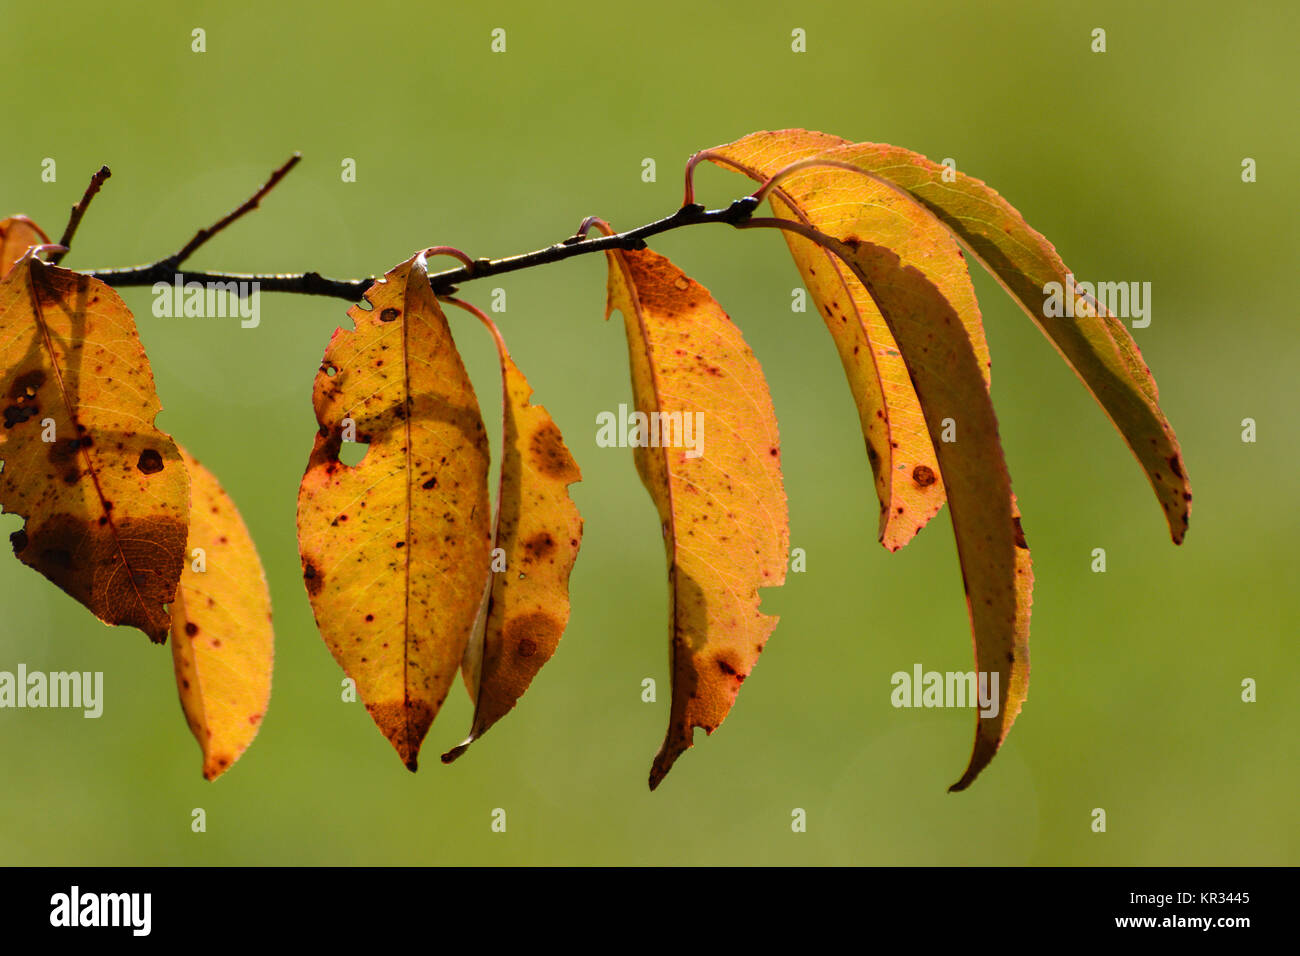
{"x": 1129, "y": 161}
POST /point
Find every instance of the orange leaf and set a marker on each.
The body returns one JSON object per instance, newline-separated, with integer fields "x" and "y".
{"x": 719, "y": 495}
{"x": 538, "y": 531}
{"x": 1098, "y": 347}
{"x": 17, "y": 235}
{"x": 395, "y": 549}
{"x": 104, "y": 493}
{"x": 909, "y": 482}
{"x": 222, "y": 643}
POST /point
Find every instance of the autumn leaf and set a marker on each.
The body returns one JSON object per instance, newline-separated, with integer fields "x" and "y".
{"x": 991, "y": 545}
{"x": 909, "y": 483}
{"x": 395, "y": 549}
{"x": 104, "y": 493}
{"x": 719, "y": 494}
{"x": 1095, "y": 343}
{"x": 538, "y": 532}
{"x": 17, "y": 235}
{"x": 222, "y": 643}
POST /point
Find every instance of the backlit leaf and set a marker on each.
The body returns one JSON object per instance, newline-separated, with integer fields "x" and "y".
{"x": 395, "y": 549}
{"x": 538, "y": 531}
{"x": 222, "y": 643}
{"x": 991, "y": 546}
{"x": 720, "y": 496}
{"x": 1098, "y": 347}
{"x": 909, "y": 483}
{"x": 17, "y": 235}
{"x": 104, "y": 493}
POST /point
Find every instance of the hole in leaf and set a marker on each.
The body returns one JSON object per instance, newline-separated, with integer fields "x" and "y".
{"x": 351, "y": 452}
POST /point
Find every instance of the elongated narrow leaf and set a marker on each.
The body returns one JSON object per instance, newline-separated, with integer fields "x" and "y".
{"x": 17, "y": 235}
{"x": 538, "y": 532}
{"x": 222, "y": 643}
{"x": 718, "y": 487}
{"x": 990, "y": 543}
{"x": 908, "y": 479}
{"x": 395, "y": 549}
{"x": 1097, "y": 346}
{"x": 104, "y": 493}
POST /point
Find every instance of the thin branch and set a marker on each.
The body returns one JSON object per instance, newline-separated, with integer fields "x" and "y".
{"x": 203, "y": 235}
{"x": 443, "y": 283}
{"x": 78, "y": 211}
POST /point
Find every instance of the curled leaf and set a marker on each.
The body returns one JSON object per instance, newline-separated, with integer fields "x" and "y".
{"x": 222, "y": 642}
{"x": 840, "y": 203}
{"x": 395, "y": 549}
{"x": 104, "y": 493}
{"x": 535, "y": 544}
{"x": 717, "y": 487}
{"x": 991, "y": 546}
{"x": 1095, "y": 343}
{"x": 17, "y": 235}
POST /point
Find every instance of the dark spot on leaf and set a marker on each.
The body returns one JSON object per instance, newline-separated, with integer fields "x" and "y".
{"x": 191, "y": 628}
{"x": 431, "y": 483}
{"x": 389, "y": 315}
{"x": 312, "y": 578}
{"x": 1020, "y": 534}
{"x": 150, "y": 462}
{"x": 923, "y": 475}
{"x": 539, "y": 545}
{"x": 19, "y": 540}
{"x": 17, "y": 414}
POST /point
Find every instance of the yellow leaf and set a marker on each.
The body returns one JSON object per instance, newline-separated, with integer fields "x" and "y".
{"x": 720, "y": 496}
{"x": 1098, "y": 347}
{"x": 909, "y": 483}
{"x": 395, "y": 549}
{"x": 222, "y": 643}
{"x": 538, "y": 532}
{"x": 104, "y": 493}
{"x": 991, "y": 546}
{"x": 17, "y": 235}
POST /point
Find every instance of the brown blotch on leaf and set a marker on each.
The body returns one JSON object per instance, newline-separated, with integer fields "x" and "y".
{"x": 389, "y": 315}
{"x": 311, "y": 577}
{"x": 150, "y": 462}
{"x": 405, "y": 724}
{"x": 191, "y": 628}
{"x": 125, "y": 573}
{"x": 1176, "y": 466}
{"x": 539, "y": 545}
{"x": 924, "y": 476}
{"x": 530, "y": 632}
{"x": 549, "y": 454}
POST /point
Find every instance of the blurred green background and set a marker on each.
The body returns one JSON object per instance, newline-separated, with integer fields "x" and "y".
{"x": 1129, "y": 161}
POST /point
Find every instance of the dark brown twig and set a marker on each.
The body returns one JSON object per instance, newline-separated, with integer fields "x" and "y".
{"x": 78, "y": 211}
{"x": 203, "y": 235}
{"x": 443, "y": 283}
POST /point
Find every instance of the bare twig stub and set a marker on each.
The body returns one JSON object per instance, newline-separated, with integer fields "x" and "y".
{"x": 78, "y": 211}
